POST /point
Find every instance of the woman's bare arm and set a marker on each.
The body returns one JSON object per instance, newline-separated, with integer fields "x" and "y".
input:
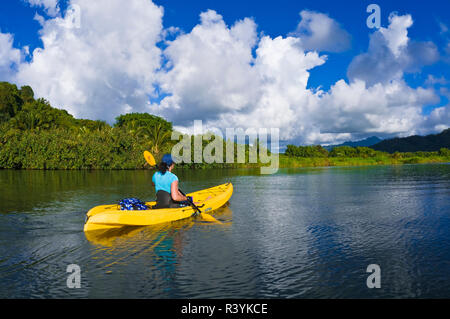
{"x": 175, "y": 193}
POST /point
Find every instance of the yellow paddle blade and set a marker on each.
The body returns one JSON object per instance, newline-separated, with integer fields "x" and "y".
{"x": 209, "y": 218}
{"x": 149, "y": 158}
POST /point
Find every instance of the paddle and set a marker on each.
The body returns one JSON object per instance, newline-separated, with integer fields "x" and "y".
{"x": 149, "y": 158}
{"x": 206, "y": 217}
{"x": 151, "y": 161}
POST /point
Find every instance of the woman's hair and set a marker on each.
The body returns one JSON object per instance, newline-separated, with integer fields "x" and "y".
{"x": 163, "y": 167}
{"x": 166, "y": 162}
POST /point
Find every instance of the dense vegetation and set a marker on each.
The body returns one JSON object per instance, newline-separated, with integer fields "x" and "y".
{"x": 34, "y": 135}
{"x": 429, "y": 143}
{"x": 365, "y": 142}
{"x": 304, "y": 156}
{"x": 339, "y": 151}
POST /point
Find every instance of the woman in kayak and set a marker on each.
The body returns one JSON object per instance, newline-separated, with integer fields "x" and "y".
{"x": 166, "y": 185}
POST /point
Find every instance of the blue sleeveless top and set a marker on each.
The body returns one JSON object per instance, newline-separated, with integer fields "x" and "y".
{"x": 164, "y": 181}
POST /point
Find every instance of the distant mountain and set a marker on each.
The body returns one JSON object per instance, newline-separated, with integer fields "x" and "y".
{"x": 366, "y": 142}
{"x": 415, "y": 143}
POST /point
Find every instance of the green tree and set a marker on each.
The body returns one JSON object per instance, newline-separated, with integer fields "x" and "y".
{"x": 27, "y": 94}
{"x": 344, "y": 151}
{"x": 40, "y": 115}
{"x": 306, "y": 151}
{"x": 10, "y": 101}
{"x": 133, "y": 121}
{"x": 156, "y": 137}
{"x": 365, "y": 152}
{"x": 444, "y": 152}
{"x": 90, "y": 124}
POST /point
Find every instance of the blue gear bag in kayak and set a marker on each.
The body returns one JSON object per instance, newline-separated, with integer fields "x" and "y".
{"x": 132, "y": 204}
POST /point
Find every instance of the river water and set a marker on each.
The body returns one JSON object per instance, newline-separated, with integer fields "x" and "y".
{"x": 301, "y": 233}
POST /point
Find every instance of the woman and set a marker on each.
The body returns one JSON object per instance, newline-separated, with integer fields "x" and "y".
{"x": 166, "y": 185}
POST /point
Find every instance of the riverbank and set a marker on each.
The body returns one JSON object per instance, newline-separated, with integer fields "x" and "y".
{"x": 284, "y": 162}
{"x": 36, "y": 136}
{"x": 294, "y": 162}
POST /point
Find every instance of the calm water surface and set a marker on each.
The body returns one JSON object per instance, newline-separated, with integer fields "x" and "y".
{"x": 302, "y": 233}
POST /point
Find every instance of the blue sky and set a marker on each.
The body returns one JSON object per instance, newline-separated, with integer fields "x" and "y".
{"x": 431, "y": 20}
{"x": 281, "y": 17}
{"x": 273, "y": 18}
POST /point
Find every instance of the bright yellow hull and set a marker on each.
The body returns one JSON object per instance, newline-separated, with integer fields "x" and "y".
{"x": 110, "y": 216}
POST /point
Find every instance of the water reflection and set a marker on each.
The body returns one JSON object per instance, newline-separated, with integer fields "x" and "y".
{"x": 155, "y": 254}
{"x": 117, "y": 237}
{"x": 299, "y": 233}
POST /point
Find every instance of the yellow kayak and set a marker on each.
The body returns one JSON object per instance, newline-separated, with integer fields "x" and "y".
{"x": 110, "y": 216}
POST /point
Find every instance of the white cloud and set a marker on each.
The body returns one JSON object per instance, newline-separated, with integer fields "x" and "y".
{"x": 214, "y": 76}
{"x": 51, "y": 7}
{"x": 209, "y": 69}
{"x": 443, "y": 27}
{"x": 318, "y": 31}
{"x": 40, "y": 19}
{"x": 380, "y": 109}
{"x": 284, "y": 100}
{"x": 438, "y": 120}
{"x": 391, "y": 54}
{"x": 396, "y": 34}
{"x": 227, "y": 76}
{"x": 9, "y": 56}
{"x": 211, "y": 66}
{"x": 103, "y": 68}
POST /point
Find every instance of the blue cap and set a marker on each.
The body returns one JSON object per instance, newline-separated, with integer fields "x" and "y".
{"x": 167, "y": 158}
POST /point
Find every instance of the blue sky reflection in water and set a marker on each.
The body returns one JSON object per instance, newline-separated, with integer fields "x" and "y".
{"x": 302, "y": 233}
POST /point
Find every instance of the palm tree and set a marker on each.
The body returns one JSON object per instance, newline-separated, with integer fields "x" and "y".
{"x": 157, "y": 136}
{"x": 26, "y": 121}
{"x": 132, "y": 127}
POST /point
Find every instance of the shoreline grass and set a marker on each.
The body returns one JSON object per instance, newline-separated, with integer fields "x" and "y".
{"x": 284, "y": 162}
{"x": 295, "y": 162}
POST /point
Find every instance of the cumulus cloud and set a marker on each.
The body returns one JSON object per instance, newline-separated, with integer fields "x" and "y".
{"x": 103, "y": 67}
{"x": 396, "y": 35}
{"x": 208, "y": 70}
{"x": 391, "y": 54}
{"x": 437, "y": 121}
{"x": 284, "y": 100}
{"x": 318, "y": 31}
{"x": 51, "y": 7}
{"x": 377, "y": 100}
{"x": 213, "y": 75}
{"x": 388, "y": 108}
{"x": 9, "y": 56}
{"x": 226, "y": 75}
